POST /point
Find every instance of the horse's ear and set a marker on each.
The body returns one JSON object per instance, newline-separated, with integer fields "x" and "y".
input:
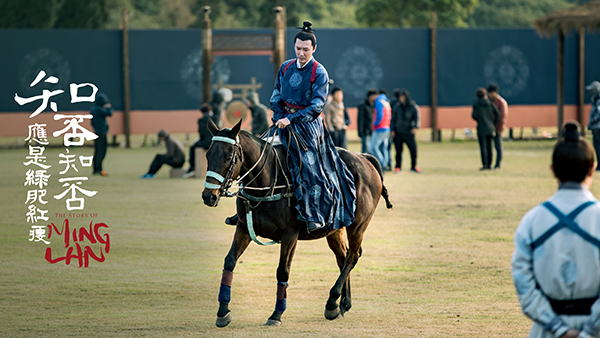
{"x": 235, "y": 130}
{"x": 212, "y": 127}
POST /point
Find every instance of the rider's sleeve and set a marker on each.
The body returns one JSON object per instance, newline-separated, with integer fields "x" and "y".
{"x": 278, "y": 111}
{"x": 320, "y": 88}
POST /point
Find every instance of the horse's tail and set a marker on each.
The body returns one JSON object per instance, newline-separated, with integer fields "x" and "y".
{"x": 377, "y": 166}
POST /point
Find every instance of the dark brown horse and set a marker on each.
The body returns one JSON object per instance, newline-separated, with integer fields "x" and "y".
{"x": 268, "y": 204}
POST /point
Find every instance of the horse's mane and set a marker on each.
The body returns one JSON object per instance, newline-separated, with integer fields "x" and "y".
{"x": 259, "y": 142}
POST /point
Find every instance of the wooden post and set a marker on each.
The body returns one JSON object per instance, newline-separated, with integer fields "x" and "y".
{"x": 278, "y": 40}
{"x": 126, "y": 83}
{"x": 434, "y": 124}
{"x": 581, "y": 77}
{"x": 206, "y": 56}
{"x": 561, "y": 79}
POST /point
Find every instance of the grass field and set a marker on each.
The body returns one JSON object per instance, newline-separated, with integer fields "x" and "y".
{"x": 437, "y": 265}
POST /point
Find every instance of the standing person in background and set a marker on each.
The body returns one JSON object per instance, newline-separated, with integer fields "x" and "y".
{"x": 260, "y": 120}
{"x": 204, "y": 138}
{"x": 502, "y": 106}
{"x": 100, "y": 110}
{"x": 555, "y": 264}
{"x": 486, "y": 114}
{"x": 594, "y": 122}
{"x": 365, "y": 119}
{"x": 406, "y": 120}
{"x": 382, "y": 115}
{"x": 218, "y": 105}
{"x": 335, "y": 118}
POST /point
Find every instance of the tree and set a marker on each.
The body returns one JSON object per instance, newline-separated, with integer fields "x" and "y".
{"x": 27, "y": 13}
{"x": 82, "y": 14}
{"x": 516, "y": 13}
{"x": 414, "y": 13}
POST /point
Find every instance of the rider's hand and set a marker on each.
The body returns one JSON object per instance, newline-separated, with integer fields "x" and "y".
{"x": 570, "y": 334}
{"x": 284, "y": 122}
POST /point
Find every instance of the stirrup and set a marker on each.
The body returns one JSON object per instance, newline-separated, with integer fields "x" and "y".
{"x": 232, "y": 220}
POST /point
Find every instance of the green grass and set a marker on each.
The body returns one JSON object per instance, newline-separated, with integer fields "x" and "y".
{"x": 437, "y": 265}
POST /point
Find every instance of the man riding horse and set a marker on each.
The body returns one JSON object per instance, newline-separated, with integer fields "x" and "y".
{"x": 324, "y": 187}
{"x": 325, "y": 183}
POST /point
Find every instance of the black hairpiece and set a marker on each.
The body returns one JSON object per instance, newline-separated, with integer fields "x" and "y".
{"x": 307, "y": 27}
{"x": 571, "y": 132}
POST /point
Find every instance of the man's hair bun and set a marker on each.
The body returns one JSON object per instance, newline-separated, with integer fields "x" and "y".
{"x": 307, "y": 26}
{"x": 571, "y": 132}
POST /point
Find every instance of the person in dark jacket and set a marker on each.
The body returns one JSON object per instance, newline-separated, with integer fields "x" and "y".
{"x": 365, "y": 119}
{"x": 205, "y": 137}
{"x": 486, "y": 114}
{"x": 406, "y": 119}
{"x": 260, "y": 120}
{"x": 175, "y": 156}
{"x": 100, "y": 110}
{"x": 218, "y": 105}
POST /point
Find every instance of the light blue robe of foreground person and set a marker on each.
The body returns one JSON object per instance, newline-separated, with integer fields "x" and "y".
{"x": 566, "y": 266}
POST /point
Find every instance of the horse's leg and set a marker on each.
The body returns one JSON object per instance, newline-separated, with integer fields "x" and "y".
{"x": 241, "y": 240}
{"x": 288, "y": 247}
{"x": 338, "y": 246}
{"x": 355, "y": 236}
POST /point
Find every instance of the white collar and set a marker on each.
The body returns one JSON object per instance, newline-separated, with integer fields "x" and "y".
{"x": 307, "y": 62}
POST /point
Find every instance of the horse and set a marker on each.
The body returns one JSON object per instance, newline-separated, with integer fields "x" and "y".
{"x": 263, "y": 170}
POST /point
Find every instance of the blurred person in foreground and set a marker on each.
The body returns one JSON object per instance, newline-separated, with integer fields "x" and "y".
{"x": 556, "y": 261}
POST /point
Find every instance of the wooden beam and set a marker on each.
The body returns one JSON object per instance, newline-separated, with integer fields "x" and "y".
{"x": 581, "y": 78}
{"x": 126, "y": 79}
{"x": 560, "y": 87}
{"x": 206, "y": 56}
{"x": 434, "y": 117}
{"x": 278, "y": 40}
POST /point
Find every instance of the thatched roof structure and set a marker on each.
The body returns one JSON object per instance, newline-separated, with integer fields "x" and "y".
{"x": 584, "y": 16}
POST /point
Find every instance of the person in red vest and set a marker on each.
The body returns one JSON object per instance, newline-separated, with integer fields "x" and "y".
{"x": 382, "y": 116}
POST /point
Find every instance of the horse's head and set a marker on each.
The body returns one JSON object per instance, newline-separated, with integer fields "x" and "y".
{"x": 224, "y": 162}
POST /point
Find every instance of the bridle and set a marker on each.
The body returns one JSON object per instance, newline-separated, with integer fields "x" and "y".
{"x": 227, "y": 180}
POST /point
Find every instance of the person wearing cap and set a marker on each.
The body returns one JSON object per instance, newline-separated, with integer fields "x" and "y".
{"x": 175, "y": 156}
{"x": 324, "y": 186}
{"x": 364, "y": 119}
{"x": 260, "y": 120}
{"x": 594, "y": 122}
{"x": 556, "y": 260}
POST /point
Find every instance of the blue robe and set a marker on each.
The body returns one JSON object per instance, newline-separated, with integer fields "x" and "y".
{"x": 324, "y": 187}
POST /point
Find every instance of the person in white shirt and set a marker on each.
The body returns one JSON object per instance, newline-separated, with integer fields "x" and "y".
{"x": 556, "y": 262}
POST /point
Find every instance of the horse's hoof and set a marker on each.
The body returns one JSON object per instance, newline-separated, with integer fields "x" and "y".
{"x": 333, "y": 314}
{"x": 225, "y": 320}
{"x": 272, "y": 322}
